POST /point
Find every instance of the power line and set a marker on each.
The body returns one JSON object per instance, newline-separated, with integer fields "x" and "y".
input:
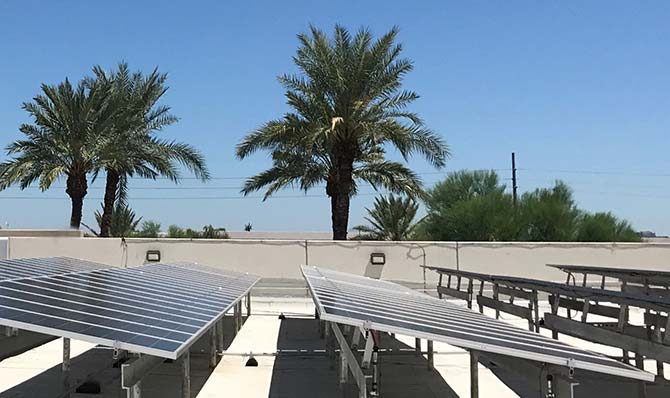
{"x": 600, "y": 172}
{"x": 188, "y": 197}
{"x": 423, "y": 173}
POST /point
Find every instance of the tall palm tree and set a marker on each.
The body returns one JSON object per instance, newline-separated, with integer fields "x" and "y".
{"x": 130, "y": 147}
{"x": 390, "y": 219}
{"x": 348, "y": 107}
{"x": 62, "y": 140}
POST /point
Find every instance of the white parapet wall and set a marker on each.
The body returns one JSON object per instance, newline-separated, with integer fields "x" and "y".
{"x": 281, "y": 259}
{"x": 4, "y": 247}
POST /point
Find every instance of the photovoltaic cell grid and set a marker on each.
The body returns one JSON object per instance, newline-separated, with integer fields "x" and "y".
{"x": 31, "y": 267}
{"x": 388, "y": 307}
{"x": 157, "y": 309}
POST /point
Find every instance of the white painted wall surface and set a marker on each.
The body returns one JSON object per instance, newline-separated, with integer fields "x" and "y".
{"x": 281, "y": 258}
{"x": 4, "y": 246}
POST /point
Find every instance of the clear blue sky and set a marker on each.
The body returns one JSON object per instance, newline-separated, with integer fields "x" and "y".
{"x": 571, "y": 86}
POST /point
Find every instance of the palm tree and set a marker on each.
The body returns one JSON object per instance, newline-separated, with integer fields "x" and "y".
{"x": 62, "y": 140}
{"x": 390, "y": 219}
{"x": 130, "y": 147}
{"x": 124, "y": 221}
{"x": 348, "y": 107}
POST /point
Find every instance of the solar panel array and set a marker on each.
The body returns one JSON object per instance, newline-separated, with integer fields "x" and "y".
{"x": 31, "y": 267}
{"x": 156, "y": 309}
{"x": 388, "y": 307}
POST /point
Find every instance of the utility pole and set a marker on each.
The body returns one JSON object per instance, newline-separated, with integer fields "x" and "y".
{"x": 514, "y": 186}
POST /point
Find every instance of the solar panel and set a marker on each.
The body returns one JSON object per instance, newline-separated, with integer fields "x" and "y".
{"x": 155, "y": 309}
{"x": 634, "y": 275}
{"x": 389, "y": 307}
{"x": 32, "y": 267}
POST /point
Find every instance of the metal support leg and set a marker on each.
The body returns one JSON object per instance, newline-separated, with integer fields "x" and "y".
{"x": 495, "y": 297}
{"x": 236, "y": 318}
{"x": 249, "y": 304}
{"x": 367, "y": 353}
{"x": 66, "y": 355}
{"x": 212, "y": 347}
{"x": 374, "y": 388}
{"x": 330, "y": 352}
{"x": 554, "y": 310}
{"x": 642, "y": 387}
{"x": 350, "y": 358}
{"x": 133, "y": 372}
{"x": 186, "y": 375}
{"x": 536, "y": 311}
{"x": 219, "y": 336}
{"x": 344, "y": 368}
{"x": 355, "y": 338}
{"x": 239, "y": 314}
{"x": 417, "y": 345}
{"x": 470, "y": 294}
{"x": 481, "y": 293}
{"x": 439, "y": 283}
{"x": 65, "y": 367}
{"x": 474, "y": 374}
{"x": 431, "y": 361}
{"x": 135, "y": 391}
{"x": 326, "y": 331}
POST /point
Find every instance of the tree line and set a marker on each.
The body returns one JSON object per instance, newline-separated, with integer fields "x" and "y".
{"x": 474, "y": 206}
{"x": 126, "y": 224}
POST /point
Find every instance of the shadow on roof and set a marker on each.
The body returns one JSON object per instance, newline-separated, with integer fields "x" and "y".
{"x": 313, "y": 374}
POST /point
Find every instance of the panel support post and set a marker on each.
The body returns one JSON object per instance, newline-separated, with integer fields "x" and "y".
{"x": 66, "y": 355}
{"x": 349, "y": 359}
{"x": 236, "y": 318}
{"x": 186, "y": 375}
{"x": 536, "y": 311}
{"x": 65, "y": 367}
{"x": 326, "y": 333}
{"x": 212, "y": 346}
{"x": 481, "y": 293}
{"x": 319, "y": 322}
{"x": 355, "y": 338}
{"x": 431, "y": 361}
{"x": 554, "y": 310}
{"x": 417, "y": 345}
{"x": 330, "y": 350}
{"x": 642, "y": 387}
{"x": 133, "y": 372}
{"x": 474, "y": 374}
{"x": 623, "y": 320}
{"x": 219, "y": 336}
{"x": 439, "y": 283}
{"x": 344, "y": 368}
{"x": 135, "y": 391}
{"x": 249, "y": 304}
{"x": 374, "y": 387}
{"x": 495, "y": 297}
{"x": 367, "y": 352}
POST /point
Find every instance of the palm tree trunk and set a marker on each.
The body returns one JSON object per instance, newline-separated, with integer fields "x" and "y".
{"x": 338, "y": 188}
{"x": 112, "y": 185}
{"x": 339, "y": 208}
{"x": 76, "y": 188}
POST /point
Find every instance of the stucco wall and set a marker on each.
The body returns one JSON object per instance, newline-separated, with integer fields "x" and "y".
{"x": 4, "y": 245}
{"x": 280, "y": 259}
{"x": 71, "y": 233}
